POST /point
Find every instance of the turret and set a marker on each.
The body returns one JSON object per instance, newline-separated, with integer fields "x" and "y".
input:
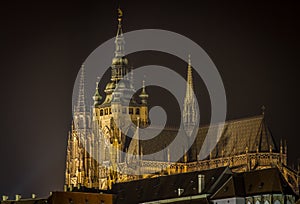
{"x": 144, "y": 96}
{"x": 97, "y": 97}
{"x": 144, "y": 106}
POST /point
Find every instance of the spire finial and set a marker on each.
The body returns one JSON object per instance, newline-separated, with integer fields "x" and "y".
{"x": 143, "y": 83}
{"x": 144, "y": 94}
{"x": 120, "y": 14}
{"x": 190, "y": 63}
{"x": 97, "y": 97}
{"x": 97, "y": 82}
{"x": 263, "y": 109}
{"x": 119, "y": 52}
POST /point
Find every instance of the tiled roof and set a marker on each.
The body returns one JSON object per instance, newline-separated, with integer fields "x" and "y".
{"x": 234, "y": 138}
{"x": 264, "y": 181}
{"x": 165, "y": 187}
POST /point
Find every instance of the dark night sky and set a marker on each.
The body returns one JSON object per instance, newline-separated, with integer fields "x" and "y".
{"x": 254, "y": 45}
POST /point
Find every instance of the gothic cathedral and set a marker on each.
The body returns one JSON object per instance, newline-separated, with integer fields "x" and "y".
{"x": 98, "y": 137}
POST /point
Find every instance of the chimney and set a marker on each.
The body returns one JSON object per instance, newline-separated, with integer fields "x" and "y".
{"x": 33, "y": 196}
{"x": 4, "y": 198}
{"x": 180, "y": 191}
{"x": 18, "y": 197}
{"x": 200, "y": 183}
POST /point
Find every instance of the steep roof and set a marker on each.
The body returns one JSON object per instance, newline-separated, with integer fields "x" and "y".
{"x": 266, "y": 181}
{"x": 233, "y": 187}
{"x": 234, "y": 138}
{"x": 165, "y": 187}
{"x": 254, "y": 183}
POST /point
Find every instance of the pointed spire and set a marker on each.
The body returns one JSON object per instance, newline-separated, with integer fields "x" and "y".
{"x": 144, "y": 94}
{"x": 263, "y": 109}
{"x": 119, "y": 41}
{"x": 189, "y": 87}
{"x": 81, "y": 92}
{"x": 97, "y": 97}
{"x": 285, "y": 147}
{"x": 190, "y": 114}
{"x": 73, "y": 126}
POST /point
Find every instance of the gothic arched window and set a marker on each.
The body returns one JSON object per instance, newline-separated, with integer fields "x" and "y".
{"x": 101, "y": 112}
{"x": 137, "y": 111}
{"x": 130, "y": 111}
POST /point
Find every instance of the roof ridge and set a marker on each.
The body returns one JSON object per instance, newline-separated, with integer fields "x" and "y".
{"x": 233, "y": 121}
{"x": 173, "y": 127}
{"x": 223, "y": 185}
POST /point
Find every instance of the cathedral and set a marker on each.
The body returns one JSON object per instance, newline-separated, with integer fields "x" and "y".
{"x": 115, "y": 124}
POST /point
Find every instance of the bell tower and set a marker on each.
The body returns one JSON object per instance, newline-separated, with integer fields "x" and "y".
{"x": 119, "y": 108}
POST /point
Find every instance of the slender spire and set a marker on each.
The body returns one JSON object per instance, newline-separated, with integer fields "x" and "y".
{"x": 144, "y": 94}
{"x": 120, "y": 42}
{"x": 97, "y": 97}
{"x": 263, "y": 109}
{"x": 189, "y": 110}
{"x": 81, "y": 92}
{"x": 189, "y": 87}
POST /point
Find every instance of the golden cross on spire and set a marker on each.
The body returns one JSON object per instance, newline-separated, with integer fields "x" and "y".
{"x": 120, "y": 14}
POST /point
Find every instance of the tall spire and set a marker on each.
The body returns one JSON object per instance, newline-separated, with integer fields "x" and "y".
{"x": 81, "y": 93}
{"x": 120, "y": 42}
{"x": 189, "y": 109}
{"x": 119, "y": 62}
{"x": 189, "y": 87}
